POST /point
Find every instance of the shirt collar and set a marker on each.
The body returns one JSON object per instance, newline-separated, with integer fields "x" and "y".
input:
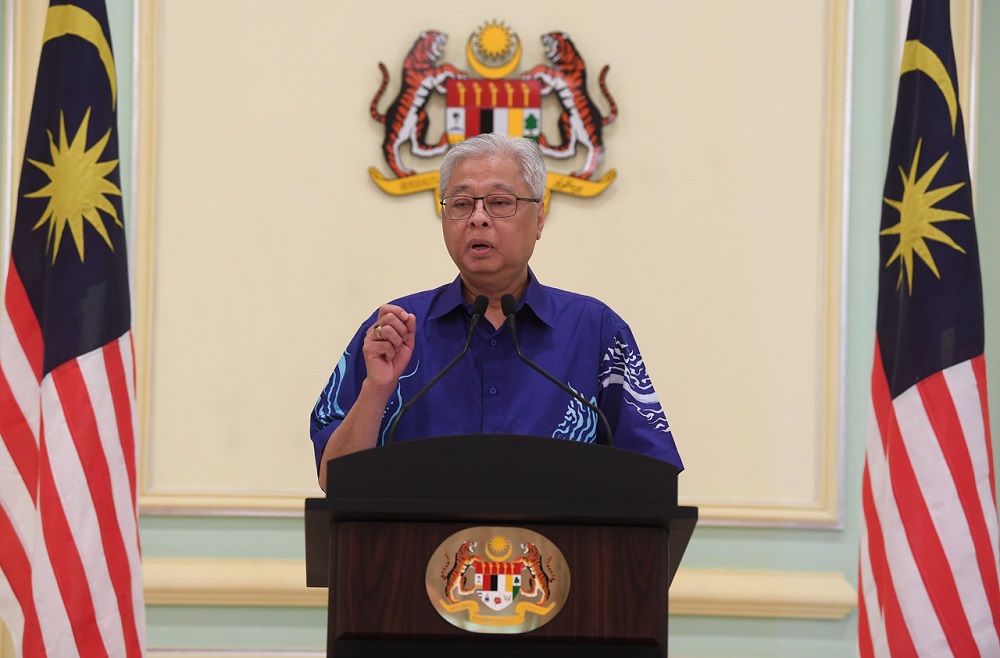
{"x": 448, "y": 300}
{"x": 536, "y": 298}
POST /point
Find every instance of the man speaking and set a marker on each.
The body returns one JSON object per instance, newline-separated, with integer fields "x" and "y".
{"x": 542, "y": 361}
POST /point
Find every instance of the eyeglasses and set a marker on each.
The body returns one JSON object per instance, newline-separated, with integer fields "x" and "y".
{"x": 497, "y": 206}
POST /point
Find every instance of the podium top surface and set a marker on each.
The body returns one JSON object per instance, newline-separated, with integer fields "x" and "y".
{"x": 520, "y": 468}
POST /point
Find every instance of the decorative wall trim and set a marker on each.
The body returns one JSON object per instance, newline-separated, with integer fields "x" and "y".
{"x": 143, "y": 254}
{"x": 773, "y": 594}
{"x": 223, "y": 504}
{"x": 704, "y": 592}
{"x": 214, "y": 582}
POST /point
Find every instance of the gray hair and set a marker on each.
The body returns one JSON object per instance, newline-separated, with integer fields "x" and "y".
{"x": 524, "y": 151}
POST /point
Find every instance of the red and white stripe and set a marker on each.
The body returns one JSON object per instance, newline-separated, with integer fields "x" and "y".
{"x": 928, "y": 569}
{"x": 70, "y": 565}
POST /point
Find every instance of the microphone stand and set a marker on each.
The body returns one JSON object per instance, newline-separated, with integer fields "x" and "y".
{"x": 478, "y": 309}
{"x": 509, "y": 306}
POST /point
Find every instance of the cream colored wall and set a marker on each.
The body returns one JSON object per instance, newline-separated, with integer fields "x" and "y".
{"x": 264, "y": 244}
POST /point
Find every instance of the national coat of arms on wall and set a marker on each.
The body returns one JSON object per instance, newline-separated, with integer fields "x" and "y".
{"x": 493, "y": 97}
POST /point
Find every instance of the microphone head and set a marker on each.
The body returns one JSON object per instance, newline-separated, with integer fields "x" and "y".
{"x": 480, "y": 305}
{"x": 508, "y": 305}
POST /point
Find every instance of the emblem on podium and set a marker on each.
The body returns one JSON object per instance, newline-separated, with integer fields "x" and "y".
{"x": 497, "y": 580}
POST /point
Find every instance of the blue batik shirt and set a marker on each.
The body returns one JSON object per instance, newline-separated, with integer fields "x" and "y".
{"x": 578, "y": 339}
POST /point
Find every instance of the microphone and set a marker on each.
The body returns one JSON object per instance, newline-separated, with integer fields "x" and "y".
{"x": 478, "y": 310}
{"x": 509, "y": 306}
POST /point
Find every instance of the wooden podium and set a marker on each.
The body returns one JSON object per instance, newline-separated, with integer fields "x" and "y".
{"x": 613, "y": 514}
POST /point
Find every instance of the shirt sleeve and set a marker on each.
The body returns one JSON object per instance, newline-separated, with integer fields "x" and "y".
{"x": 628, "y": 398}
{"x": 339, "y": 394}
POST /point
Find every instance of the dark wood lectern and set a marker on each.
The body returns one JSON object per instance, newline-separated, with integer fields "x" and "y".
{"x": 612, "y": 513}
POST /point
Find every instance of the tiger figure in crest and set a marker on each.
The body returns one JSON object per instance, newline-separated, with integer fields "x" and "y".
{"x": 464, "y": 559}
{"x": 406, "y": 119}
{"x": 581, "y": 121}
{"x": 540, "y": 580}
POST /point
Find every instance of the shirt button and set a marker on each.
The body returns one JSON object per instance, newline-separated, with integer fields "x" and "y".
{"x": 493, "y": 390}
{"x": 493, "y": 342}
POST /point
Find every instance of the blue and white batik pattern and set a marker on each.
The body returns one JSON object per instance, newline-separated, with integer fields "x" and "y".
{"x": 579, "y": 422}
{"x": 327, "y": 408}
{"x": 395, "y": 405}
{"x": 623, "y": 365}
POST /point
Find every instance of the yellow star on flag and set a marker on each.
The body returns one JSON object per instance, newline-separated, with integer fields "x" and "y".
{"x": 77, "y": 187}
{"x": 918, "y": 216}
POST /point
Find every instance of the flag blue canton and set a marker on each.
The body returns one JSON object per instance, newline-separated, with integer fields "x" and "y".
{"x": 81, "y": 301}
{"x": 936, "y": 321}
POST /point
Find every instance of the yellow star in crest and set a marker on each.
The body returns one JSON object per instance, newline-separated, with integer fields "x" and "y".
{"x": 494, "y": 40}
{"x": 77, "y": 187}
{"x": 917, "y": 217}
{"x": 498, "y": 548}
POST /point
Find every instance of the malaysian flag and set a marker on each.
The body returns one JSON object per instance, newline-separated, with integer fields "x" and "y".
{"x": 927, "y": 583}
{"x": 70, "y": 569}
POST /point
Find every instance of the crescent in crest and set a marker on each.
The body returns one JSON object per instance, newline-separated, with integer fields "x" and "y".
{"x": 499, "y": 558}
{"x": 66, "y": 20}
{"x": 918, "y": 57}
{"x": 493, "y": 72}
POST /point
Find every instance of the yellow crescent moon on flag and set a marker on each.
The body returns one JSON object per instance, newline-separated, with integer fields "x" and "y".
{"x": 493, "y": 72}
{"x": 67, "y": 19}
{"x": 918, "y": 57}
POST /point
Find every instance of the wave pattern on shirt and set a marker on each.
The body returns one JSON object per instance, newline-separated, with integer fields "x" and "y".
{"x": 579, "y": 423}
{"x": 395, "y": 404}
{"x": 327, "y": 409}
{"x": 623, "y": 365}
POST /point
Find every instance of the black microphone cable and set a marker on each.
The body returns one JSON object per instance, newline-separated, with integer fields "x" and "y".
{"x": 478, "y": 310}
{"x": 509, "y": 306}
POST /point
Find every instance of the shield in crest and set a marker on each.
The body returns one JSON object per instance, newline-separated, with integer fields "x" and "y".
{"x": 479, "y": 106}
{"x": 498, "y": 583}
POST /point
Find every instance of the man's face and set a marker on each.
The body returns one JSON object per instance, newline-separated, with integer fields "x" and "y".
{"x": 492, "y": 252}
